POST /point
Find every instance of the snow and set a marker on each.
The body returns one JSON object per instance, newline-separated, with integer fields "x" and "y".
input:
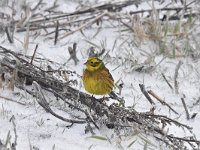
{"x": 43, "y": 131}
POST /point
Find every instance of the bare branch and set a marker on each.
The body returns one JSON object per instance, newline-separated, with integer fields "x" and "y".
{"x": 176, "y": 87}
{"x": 85, "y": 25}
{"x": 37, "y": 5}
{"x": 56, "y": 32}
{"x": 13, "y": 146}
{"x": 161, "y": 101}
{"x": 185, "y": 107}
{"x": 34, "y": 54}
{"x": 55, "y": 5}
{"x": 72, "y": 52}
{"x": 143, "y": 90}
{"x": 161, "y": 9}
{"x": 11, "y": 100}
{"x": 8, "y": 34}
{"x": 42, "y": 101}
{"x": 167, "y": 81}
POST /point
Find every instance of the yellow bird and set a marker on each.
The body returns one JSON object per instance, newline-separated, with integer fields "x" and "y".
{"x": 97, "y": 78}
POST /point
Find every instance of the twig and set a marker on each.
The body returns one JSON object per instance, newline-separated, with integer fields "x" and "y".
{"x": 167, "y": 81}
{"x": 72, "y": 52}
{"x": 184, "y": 139}
{"x": 8, "y": 34}
{"x": 128, "y": 26}
{"x": 185, "y": 107}
{"x": 12, "y": 23}
{"x": 143, "y": 90}
{"x": 196, "y": 103}
{"x": 176, "y": 75}
{"x": 170, "y": 18}
{"x": 184, "y": 16}
{"x": 26, "y": 40}
{"x": 15, "y": 132}
{"x": 34, "y": 54}
{"x": 154, "y": 67}
{"x": 11, "y": 100}
{"x": 56, "y": 32}
{"x": 102, "y": 7}
{"x": 89, "y": 128}
{"x": 55, "y": 5}
{"x": 161, "y": 101}
{"x": 59, "y": 95}
{"x": 37, "y": 5}
{"x": 28, "y": 15}
{"x": 92, "y": 52}
{"x": 66, "y": 30}
{"x": 161, "y": 9}
{"x": 42, "y": 101}
{"x": 169, "y": 120}
{"x": 84, "y": 25}
{"x": 24, "y": 21}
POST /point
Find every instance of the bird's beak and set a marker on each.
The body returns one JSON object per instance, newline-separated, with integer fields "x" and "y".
{"x": 85, "y": 63}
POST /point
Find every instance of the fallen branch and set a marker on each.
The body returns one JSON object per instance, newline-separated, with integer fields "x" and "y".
{"x": 13, "y": 146}
{"x": 11, "y": 100}
{"x": 34, "y": 54}
{"x": 178, "y": 9}
{"x": 169, "y": 120}
{"x": 143, "y": 90}
{"x": 70, "y": 104}
{"x": 85, "y": 25}
{"x": 110, "y": 7}
{"x": 72, "y": 51}
{"x": 43, "y": 102}
{"x": 176, "y": 87}
{"x": 113, "y": 116}
{"x": 55, "y": 5}
{"x": 185, "y": 107}
{"x": 8, "y": 34}
{"x": 167, "y": 81}
{"x": 56, "y": 32}
{"x": 161, "y": 101}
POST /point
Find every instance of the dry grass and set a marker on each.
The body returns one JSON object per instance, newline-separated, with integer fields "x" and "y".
{"x": 167, "y": 35}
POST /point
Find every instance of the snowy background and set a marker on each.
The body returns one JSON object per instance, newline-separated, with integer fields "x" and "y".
{"x": 125, "y": 51}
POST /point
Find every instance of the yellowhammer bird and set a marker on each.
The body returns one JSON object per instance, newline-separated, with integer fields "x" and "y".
{"x": 97, "y": 78}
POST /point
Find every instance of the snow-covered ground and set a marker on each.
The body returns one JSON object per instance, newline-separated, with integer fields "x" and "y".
{"x": 39, "y": 130}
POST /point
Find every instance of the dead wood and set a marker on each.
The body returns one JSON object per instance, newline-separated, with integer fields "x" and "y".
{"x": 36, "y": 47}
{"x": 113, "y": 116}
{"x": 11, "y": 100}
{"x": 13, "y": 146}
{"x": 43, "y": 102}
{"x": 49, "y": 20}
{"x": 167, "y": 81}
{"x": 143, "y": 90}
{"x": 8, "y": 34}
{"x": 90, "y": 22}
{"x": 161, "y": 101}
{"x": 56, "y": 32}
{"x": 176, "y": 83}
{"x": 72, "y": 51}
{"x": 177, "y": 9}
{"x": 185, "y": 107}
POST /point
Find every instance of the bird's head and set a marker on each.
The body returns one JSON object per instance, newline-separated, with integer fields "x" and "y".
{"x": 94, "y": 63}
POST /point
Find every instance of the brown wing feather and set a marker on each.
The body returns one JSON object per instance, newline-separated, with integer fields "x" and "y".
{"x": 107, "y": 77}
{"x": 109, "y": 74}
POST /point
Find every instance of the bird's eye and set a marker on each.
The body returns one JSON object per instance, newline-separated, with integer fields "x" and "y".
{"x": 91, "y": 62}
